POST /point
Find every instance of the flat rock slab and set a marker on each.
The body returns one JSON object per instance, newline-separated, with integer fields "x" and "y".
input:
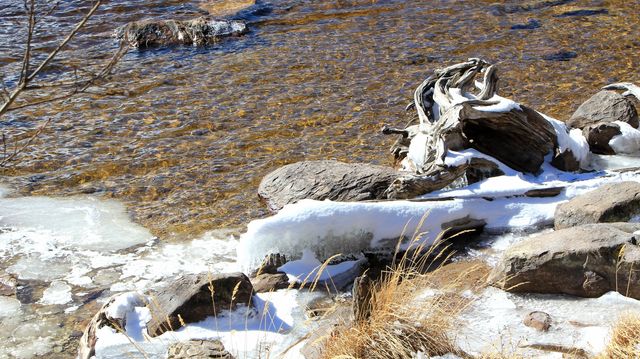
{"x": 190, "y": 299}
{"x": 320, "y": 180}
{"x": 615, "y": 202}
{"x": 198, "y": 349}
{"x": 585, "y": 261}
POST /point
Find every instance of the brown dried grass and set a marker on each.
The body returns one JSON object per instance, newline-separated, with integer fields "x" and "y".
{"x": 625, "y": 338}
{"x": 402, "y": 321}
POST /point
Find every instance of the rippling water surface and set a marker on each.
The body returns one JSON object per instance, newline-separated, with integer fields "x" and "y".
{"x": 183, "y": 135}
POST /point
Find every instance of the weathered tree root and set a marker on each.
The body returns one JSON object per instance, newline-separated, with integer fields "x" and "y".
{"x": 451, "y": 117}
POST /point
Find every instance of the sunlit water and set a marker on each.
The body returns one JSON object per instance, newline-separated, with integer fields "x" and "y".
{"x": 182, "y": 136}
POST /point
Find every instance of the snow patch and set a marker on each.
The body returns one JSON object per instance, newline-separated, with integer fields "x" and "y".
{"x": 123, "y": 304}
{"x": 306, "y": 270}
{"x": 326, "y": 228}
{"x": 9, "y": 307}
{"x": 572, "y": 140}
{"x": 494, "y": 320}
{"x": 58, "y": 293}
{"x": 502, "y": 105}
{"x": 628, "y": 141}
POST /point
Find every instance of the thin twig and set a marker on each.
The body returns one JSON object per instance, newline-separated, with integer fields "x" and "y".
{"x": 6, "y": 159}
{"x": 31, "y": 12}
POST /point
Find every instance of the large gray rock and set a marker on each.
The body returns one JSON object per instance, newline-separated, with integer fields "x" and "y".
{"x": 190, "y": 299}
{"x": 595, "y": 116}
{"x": 198, "y": 32}
{"x": 320, "y": 180}
{"x": 585, "y": 261}
{"x": 615, "y": 202}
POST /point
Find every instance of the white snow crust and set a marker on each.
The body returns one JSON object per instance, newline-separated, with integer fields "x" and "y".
{"x": 628, "y": 141}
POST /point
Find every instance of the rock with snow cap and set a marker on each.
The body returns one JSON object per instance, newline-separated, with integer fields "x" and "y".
{"x": 585, "y": 261}
{"x": 596, "y": 117}
{"x": 193, "y": 298}
{"x": 113, "y": 314}
{"x": 615, "y": 202}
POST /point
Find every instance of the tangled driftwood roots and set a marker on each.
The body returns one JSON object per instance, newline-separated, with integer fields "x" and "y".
{"x": 456, "y": 112}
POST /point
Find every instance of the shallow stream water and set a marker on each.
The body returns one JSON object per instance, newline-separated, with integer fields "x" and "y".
{"x": 182, "y": 136}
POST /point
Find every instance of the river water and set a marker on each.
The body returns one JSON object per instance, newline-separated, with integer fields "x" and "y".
{"x": 183, "y": 136}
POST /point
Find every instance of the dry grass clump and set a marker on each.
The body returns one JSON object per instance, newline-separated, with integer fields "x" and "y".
{"x": 625, "y": 338}
{"x": 404, "y": 319}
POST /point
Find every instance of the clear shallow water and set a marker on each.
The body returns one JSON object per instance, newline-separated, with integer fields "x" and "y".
{"x": 183, "y": 136}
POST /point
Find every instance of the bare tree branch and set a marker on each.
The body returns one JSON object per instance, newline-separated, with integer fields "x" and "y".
{"x": 83, "y": 79}
{"x": 65, "y": 41}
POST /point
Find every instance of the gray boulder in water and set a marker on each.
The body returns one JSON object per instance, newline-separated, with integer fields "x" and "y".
{"x": 196, "y": 32}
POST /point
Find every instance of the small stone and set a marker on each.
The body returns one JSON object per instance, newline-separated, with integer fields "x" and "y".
{"x": 7, "y": 285}
{"x": 596, "y": 118}
{"x": 267, "y": 282}
{"x": 540, "y": 321}
{"x": 270, "y": 264}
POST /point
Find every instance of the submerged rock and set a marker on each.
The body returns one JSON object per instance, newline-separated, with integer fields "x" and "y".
{"x": 595, "y": 118}
{"x": 585, "y": 261}
{"x": 320, "y": 180}
{"x": 197, "y": 32}
{"x": 193, "y": 298}
{"x": 198, "y": 349}
{"x": 583, "y": 12}
{"x": 615, "y": 202}
{"x": 226, "y": 7}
